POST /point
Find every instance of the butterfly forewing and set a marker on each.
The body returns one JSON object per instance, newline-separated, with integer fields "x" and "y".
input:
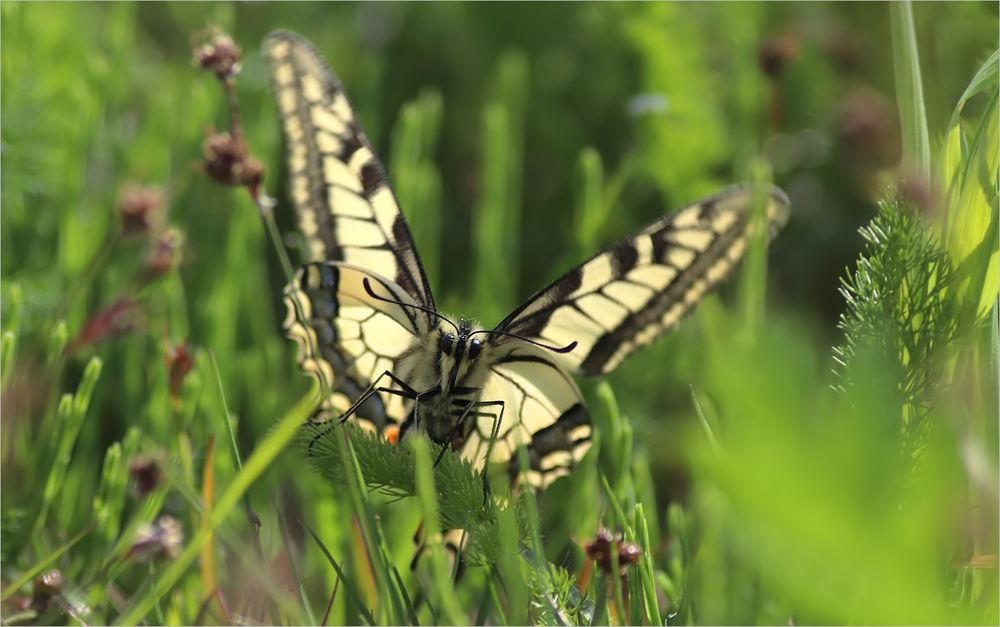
{"x": 345, "y": 207}
{"x": 642, "y": 286}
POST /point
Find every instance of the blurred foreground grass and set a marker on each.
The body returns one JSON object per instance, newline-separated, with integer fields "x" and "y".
{"x": 762, "y": 478}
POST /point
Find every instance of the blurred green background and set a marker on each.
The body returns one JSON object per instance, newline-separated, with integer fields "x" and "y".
{"x": 520, "y": 138}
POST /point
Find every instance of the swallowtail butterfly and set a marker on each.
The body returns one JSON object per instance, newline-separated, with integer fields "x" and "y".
{"x": 365, "y": 321}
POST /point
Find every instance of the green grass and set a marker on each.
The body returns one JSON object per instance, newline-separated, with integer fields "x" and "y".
{"x": 771, "y": 465}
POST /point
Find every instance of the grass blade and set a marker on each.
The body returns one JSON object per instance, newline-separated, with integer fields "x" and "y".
{"x": 355, "y": 596}
{"x": 72, "y": 411}
{"x": 427, "y": 496}
{"x": 43, "y": 564}
{"x": 909, "y": 87}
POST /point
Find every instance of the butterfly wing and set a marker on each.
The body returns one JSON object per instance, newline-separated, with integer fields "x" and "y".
{"x": 542, "y": 410}
{"x": 345, "y": 207}
{"x": 347, "y": 337}
{"x": 642, "y": 286}
{"x": 619, "y": 300}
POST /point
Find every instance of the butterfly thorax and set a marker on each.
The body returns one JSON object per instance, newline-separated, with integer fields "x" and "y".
{"x": 447, "y": 367}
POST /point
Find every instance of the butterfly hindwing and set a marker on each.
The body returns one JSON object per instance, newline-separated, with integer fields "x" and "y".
{"x": 542, "y": 411}
{"x": 346, "y": 209}
{"x": 642, "y": 286}
{"x": 347, "y": 338}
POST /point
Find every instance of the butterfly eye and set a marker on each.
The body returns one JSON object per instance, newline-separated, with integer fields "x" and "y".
{"x": 475, "y": 346}
{"x": 447, "y": 343}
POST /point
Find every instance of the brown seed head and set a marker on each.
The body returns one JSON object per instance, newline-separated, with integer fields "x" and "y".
{"x": 47, "y": 585}
{"x": 165, "y": 253}
{"x": 867, "y": 128}
{"x": 220, "y": 55}
{"x": 145, "y": 473}
{"x": 228, "y": 161}
{"x": 923, "y": 194}
{"x": 123, "y": 316}
{"x": 180, "y": 361}
{"x": 605, "y": 543}
{"x": 139, "y": 208}
{"x": 163, "y": 538}
{"x": 776, "y": 53}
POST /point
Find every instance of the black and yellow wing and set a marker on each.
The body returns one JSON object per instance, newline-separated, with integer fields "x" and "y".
{"x": 347, "y": 338}
{"x": 543, "y": 412}
{"x": 348, "y": 215}
{"x": 642, "y": 286}
{"x": 345, "y": 207}
{"x": 616, "y": 302}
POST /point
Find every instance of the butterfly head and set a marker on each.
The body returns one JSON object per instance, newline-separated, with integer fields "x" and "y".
{"x": 461, "y": 348}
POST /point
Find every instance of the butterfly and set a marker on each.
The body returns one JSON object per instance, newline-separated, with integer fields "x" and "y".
{"x": 365, "y": 321}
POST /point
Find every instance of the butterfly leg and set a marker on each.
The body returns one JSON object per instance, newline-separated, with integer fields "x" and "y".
{"x": 494, "y": 434}
{"x": 462, "y": 409}
{"x": 406, "y": 392}
{"x": 406, "y": 389}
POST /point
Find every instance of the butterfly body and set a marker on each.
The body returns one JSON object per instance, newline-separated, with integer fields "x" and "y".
{"x": 362, "y": 312}
{"x": 447, "y": 369}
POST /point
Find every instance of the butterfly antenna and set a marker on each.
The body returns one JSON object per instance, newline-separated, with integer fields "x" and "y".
{"x": 371, "y": 292}
{"x": 555, "y": 349}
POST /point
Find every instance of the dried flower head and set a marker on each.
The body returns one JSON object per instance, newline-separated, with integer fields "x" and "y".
{"x": 868, "y": 128}
{"x": 164, "y": 253}
{"x": 922, "y": 193}
{"x": 776, "y": 53}
{"x": 179, "y": 362}
{"x": 139, "y": 208}
{"x": 145, "y": 474}
{"x": 228, "y": 161}
{"x": 47, "y": 585}
{"x": 123, "y": 316}
{"x": 220, "y": 55}
{"x": 605, "y": 544}
{"x": 163, "y": 538}
{"x": 844, "y": 49}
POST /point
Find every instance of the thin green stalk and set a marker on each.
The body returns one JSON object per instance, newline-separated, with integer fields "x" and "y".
{"x": 341, "y": 576}
{"x": 44, "y": 563}
{"x": 753, "y": 277}
{"x": 361, "y": 506}
{"x": 646, "y": 572}
{"x": 411, "y": 611}
{"x": 235, "y": 451}
{"x": 590, "y": 208}
{"x": 106, "y": 502}
{"x": 416, "y": 180}
{"x": 267, "y": 217}
{"x": 615, "y": 579}
{"x": 709, "y": 434}
{"x": 8, "y": 352}
{"x": 292, "y": 564}
{"x": 427, "y": 497}
{"x": 909, "y": 87}
{"x": 495, "y": 228}
{"x": 72, "y": 411}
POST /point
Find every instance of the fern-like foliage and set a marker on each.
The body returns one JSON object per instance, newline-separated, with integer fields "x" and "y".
{"x": 390, "y": 469}
{"x": 557, "y": 600}
{"x": 900, "y": 312}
